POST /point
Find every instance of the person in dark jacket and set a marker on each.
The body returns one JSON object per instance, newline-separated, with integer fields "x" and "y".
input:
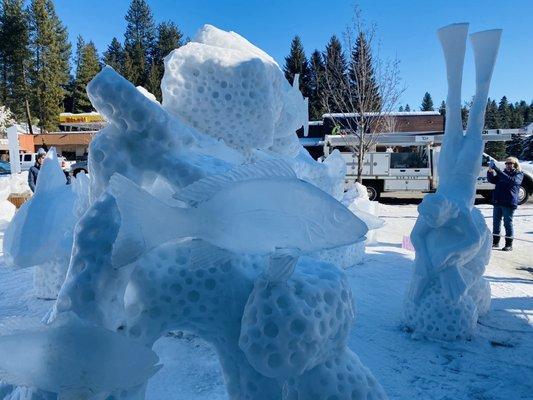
{"x": 33, "y": 173}
{"x": 504, "y": 199}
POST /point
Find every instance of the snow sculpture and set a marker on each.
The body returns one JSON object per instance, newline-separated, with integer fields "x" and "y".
{"x": 41, "y": 232}
{"x": 249, "y": 103}
{"x": 448, "y": 292}
{"x": 202, "y": 228}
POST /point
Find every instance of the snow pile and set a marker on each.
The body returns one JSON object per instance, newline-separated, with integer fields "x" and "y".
{"x": 41, "y": 232}
{"x": 7, "y": 209}
{"x": 203, "y": 227}
{"x": 448, "y": 293}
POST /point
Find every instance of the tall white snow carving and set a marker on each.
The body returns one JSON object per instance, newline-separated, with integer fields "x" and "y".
{"x": 447, "y": 292}
{"x": 206, "y": 215}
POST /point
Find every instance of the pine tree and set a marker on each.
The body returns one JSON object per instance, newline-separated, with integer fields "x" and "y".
{"x": 335, "y": 72}
{"x": 169, "y": 37}
{"x": 88, "y": 67}
{"x": 114, "y": 56}
{"x": 14, "y": 56}
{"x": 407, "y": 108}
{"x": 515, "y": 147}
{"x": 517, "y": 119}
{"x": 427, "y": 103}
{"x": 139, "y": 42}
{"x": 316, "y": 86}
{"x": 49, "y": 72}
{"x": 442, "y": 109}
{"x": 504, "y": 113}
{"x": 296, "y": 63}
{"x": 400, "y": 109}
{"x": 492, "y": 118}
{"x": 365, "y": 92}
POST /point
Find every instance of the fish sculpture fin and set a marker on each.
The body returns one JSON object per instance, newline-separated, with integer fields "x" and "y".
{"x": 205, "y": 188}
{"x": 282, "y": 264}
{"x": 204, "y": 253}
{"x": 144, "y": 221}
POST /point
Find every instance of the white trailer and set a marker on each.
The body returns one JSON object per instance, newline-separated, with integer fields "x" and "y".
{"x": 408, "y": 161}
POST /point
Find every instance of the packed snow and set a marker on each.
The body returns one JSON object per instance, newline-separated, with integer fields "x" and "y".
{"x": 495, "y": 365}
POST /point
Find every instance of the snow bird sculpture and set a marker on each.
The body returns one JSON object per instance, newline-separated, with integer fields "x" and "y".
{"x": 254, "y": 209}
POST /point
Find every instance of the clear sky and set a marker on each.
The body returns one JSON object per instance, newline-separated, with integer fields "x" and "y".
{"x": 406, "y": 30}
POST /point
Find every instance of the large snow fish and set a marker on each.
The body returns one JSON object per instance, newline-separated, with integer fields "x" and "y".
{"x": 71, "y": 358}
{"x": 253, "y": 209}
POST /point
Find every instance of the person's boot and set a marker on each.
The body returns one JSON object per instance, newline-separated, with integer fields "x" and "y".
{"x": 508, "y": 245}
{"x": 495, "y": 241}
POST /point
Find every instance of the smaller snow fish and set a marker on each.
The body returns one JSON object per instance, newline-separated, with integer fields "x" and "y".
{"x": 70, "y": 358}
{"x": 253, "y": 209}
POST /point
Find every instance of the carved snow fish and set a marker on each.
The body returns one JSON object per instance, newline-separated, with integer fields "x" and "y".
{"x": 70, "y": 358}
{"x": 253, "y": 209}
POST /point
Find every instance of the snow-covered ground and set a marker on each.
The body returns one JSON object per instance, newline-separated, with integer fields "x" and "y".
{"x": 497, "y": 364}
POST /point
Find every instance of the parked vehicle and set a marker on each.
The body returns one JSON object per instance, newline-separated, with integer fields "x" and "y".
{"x": 27, "y": 160}
{"x": 409, "y": 162}
{"x": 79, "y": 166}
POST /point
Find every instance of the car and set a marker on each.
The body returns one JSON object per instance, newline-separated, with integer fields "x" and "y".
{"x": 5, "y": 168}
{"x": 79, "y": 166}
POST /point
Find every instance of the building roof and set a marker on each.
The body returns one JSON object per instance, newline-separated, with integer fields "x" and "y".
{"x": 390, "y": 114}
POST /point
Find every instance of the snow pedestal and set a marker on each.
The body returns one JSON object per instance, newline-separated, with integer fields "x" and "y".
{"x": 447, "y": 292}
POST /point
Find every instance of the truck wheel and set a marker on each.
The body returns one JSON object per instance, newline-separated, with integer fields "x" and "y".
{"x": 373, "y": 193}
{"x": 523, "y": 195}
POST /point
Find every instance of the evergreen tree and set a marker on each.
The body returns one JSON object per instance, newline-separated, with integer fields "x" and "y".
{"x": 49, "y": 72}
{"x": 515, "y": 147}
{"x": 14, "y": 56}
{"x": 492, "y": 118}
{"x": 335, "y": 71}
{"x": 114, "y": 56}
{"x": 442, "y": 109}
{"x": 504, "y": 113}
{"x": 427, "y": 103}
{"x": 296, "y": 63}
{"x": 169, "y": 37}
{"x": 400, "y": 109}
{"x": 365, "y": 90}
{"x": 88, "y": 67}
{"x": 407, "y": 108}
{"x": 464, "y": 115}
{"x": 139, "y": 42}
{"x": 316, "y": 86}
{"x": 517, "y": 119}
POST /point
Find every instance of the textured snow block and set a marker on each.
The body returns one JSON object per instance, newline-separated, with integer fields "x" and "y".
{"x": 229, "y": 89}
{"x": 480, "y": 294}
{"x": 48, "y": 279}
{"x": 439, "y": 318}
{"x": 289, "y": 327}
{"x": 193, "y": 286}
{"x": 341, "y": 377}
{"x": 343, "y": 257}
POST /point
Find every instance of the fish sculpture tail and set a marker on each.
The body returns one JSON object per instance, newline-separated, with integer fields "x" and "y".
{"x": 146, "y": 221}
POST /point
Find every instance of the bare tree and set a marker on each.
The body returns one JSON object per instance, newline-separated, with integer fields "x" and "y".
{"x": 360, "y": 100}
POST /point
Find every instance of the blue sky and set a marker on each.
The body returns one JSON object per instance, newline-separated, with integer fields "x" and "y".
{"x": 406, "y": 29}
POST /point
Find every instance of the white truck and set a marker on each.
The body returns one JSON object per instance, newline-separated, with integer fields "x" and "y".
{"x": 27, "y": 160}
{"x": 406, "y": 161}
